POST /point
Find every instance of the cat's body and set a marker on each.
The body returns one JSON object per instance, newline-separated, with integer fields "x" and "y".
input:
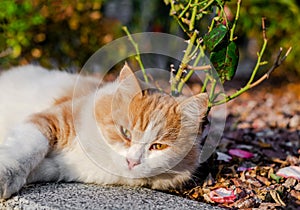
{"x": 117, "y": 134}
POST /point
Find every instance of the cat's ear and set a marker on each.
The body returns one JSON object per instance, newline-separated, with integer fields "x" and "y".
{"x": 128, "y": 80}
{"x": 195, "y": 107}
{"x": 125, "y": 72}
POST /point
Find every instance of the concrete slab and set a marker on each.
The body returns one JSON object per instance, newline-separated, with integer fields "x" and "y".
{"x": 82, "y": 196}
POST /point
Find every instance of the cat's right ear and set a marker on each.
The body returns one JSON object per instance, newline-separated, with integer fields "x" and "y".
{"x": 195, "y": 107}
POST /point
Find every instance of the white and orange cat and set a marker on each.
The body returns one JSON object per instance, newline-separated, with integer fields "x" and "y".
{"x": 119, "y": 133}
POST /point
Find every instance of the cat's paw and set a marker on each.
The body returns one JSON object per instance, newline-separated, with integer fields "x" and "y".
{"x": 12, "y": 176}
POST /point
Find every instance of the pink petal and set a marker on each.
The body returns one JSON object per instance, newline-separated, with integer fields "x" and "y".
{"x": 290, "y": 171}
{"x": 240, "y": 153}
{"x": 222, "y": 195}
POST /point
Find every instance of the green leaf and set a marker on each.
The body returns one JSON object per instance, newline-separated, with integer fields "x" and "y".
{"x": 225, "y": 61}
{"x": 215, "y": 37}
{"x": 275, "y": 177}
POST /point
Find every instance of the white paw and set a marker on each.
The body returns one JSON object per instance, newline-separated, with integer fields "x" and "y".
{"x": 12, "y": 176}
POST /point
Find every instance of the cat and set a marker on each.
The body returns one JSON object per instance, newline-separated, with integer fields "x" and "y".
{"x": 118, "y": 133}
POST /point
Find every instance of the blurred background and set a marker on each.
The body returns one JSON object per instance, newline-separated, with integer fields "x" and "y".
{"x": 65, "y": 33}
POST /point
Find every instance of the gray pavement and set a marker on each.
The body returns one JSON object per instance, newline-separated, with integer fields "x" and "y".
{"x": 83, "y": 196}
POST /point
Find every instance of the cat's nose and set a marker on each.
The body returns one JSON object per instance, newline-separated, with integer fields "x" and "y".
{"x": 132, "y": 162}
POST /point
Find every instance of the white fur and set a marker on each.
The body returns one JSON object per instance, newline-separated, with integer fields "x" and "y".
{"x": 24, "y": 155}
{"x": 24, "y": 148}
{"x": 29, "y": 89}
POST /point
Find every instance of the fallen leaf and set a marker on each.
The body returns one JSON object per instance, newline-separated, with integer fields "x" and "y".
{"x": 222, "y": 195}
{"x": 240, "y": 153}
{"x": 276, "y": 197}
{"x": 290, "y": 171}
{"x": 223, "y": 156}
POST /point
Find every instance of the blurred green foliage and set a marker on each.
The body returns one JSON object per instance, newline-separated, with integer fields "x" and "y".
{"x": 283, "y": 26}
{"x": 66, "y": 33}
{"x": 60, "y": 33}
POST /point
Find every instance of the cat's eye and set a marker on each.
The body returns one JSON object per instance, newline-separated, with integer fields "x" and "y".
{"x": 158, "y": 146}
{"x": 126, "y": 133}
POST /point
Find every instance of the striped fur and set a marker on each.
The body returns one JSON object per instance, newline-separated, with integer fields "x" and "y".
{"x": 115, "y": 134}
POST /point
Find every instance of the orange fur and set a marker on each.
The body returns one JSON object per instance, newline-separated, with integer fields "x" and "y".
{"x": 57, "y": 126}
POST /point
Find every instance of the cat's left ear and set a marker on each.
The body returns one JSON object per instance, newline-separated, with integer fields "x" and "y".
{"x": 128, "y": 80}
{"x": 195, "y": 107}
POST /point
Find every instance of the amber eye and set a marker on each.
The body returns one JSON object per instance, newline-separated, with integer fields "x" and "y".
{"x": 126, "y": 133}
{"x": 158, "y": 146}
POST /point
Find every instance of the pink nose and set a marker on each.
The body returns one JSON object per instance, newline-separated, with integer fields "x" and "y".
{"x": 132, "y": 162}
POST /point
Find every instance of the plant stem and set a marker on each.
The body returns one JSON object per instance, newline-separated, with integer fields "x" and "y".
{"x": 203, "y": 89}
{"x": 185, "y": 9}
{"x": 184, "y": 62}
{"x": 190, "y": 73}
{"x": 258, "y": 62}
{"x": 194, "y": 13}
{"x": 235, "y": 19}
{"x": 173, "y": 10}
{"x": 207, "y": 5}
{"x": 249, "y": 83}
{"x": 137, "y": 57}
{"x": 223, "y": 12}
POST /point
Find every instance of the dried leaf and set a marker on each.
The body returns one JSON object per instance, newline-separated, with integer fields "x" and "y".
{"x": 290, "y": 171}
{"x": 223, "y": 156}
{"x": 222, "y": 195}
{"x": 276, "y": 197}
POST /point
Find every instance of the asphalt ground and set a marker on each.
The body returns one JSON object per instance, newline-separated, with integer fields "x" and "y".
{"x": 86, "y": 196}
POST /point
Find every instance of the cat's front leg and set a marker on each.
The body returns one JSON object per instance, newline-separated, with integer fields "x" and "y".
{"x": 23, "y": 149}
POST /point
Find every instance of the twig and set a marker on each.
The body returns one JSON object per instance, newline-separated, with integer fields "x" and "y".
{"x": 276, "y": 64}
{"x": 199, "y": 68}
{"x": 185, "y": 9}
{"x": 137, "y": 57}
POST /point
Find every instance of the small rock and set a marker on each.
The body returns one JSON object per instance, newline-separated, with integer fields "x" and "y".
{"x": 294, "y": 121}
{"x": 258, "y": 123}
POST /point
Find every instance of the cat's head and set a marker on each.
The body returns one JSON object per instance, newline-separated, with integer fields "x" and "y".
{"x": 153, "y": 134}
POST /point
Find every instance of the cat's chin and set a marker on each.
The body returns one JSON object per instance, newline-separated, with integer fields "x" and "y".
{"x": 163, "y": 181}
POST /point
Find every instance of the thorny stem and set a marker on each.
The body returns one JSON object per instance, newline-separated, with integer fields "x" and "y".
{"x": 235, "y": 19}
{"x": 181, "y": 26}
{"x": 276, "y": 64}
{"x": 250, "y": 85}
{"x": 194, "y": 13}
{"x": 212, "y": 90}
{"x": 258, "y": 63}
{"x": 203, "y": 89}
{"x": 184, "y": 63}
{"x": 137, "y": 57}
{"x": 207, "y": 5}
{"x": 193, "y": 68}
